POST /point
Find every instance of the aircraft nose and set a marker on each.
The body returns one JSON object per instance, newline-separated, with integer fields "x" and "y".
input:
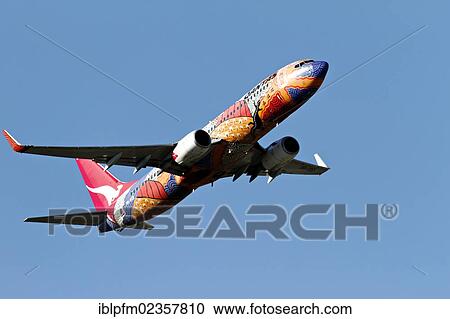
{"x": 319, "y": 69}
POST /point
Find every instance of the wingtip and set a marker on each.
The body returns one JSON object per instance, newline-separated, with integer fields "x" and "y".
{"x": 319, "y": 161}
{"x": 16, "y": 146}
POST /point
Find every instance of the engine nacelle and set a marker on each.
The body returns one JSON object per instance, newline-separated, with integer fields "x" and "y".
{"x": 280, "y": 152}
{"x": 192, "y": 148}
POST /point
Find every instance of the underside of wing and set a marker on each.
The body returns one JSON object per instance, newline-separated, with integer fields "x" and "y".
{"x": 134, "y": 156}
{"x": 293, "y": 166}
{"x": 303, "y": 168}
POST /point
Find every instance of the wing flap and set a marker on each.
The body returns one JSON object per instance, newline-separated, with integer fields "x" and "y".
{"x": 304, "y": 168}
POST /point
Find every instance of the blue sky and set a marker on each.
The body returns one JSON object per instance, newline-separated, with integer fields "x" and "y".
{"x": 383, "y": 129}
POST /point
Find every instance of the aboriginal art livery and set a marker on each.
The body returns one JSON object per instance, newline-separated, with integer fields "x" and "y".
{"x": 225, "y": 147}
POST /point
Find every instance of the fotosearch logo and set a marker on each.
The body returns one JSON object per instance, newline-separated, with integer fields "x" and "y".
{"x": 304, "y": 222}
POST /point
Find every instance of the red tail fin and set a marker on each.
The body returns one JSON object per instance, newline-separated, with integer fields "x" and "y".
{"x": 103, "y": 187}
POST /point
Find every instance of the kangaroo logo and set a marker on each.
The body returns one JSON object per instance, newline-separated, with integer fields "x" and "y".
{"x": 107, "y": 191}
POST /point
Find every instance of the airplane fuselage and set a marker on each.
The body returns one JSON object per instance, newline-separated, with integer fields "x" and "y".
{"x": 234, "y": 134}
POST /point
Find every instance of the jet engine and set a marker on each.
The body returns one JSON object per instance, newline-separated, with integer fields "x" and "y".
{"x": 192, "y": 148}
{"x": 279, "y": 153}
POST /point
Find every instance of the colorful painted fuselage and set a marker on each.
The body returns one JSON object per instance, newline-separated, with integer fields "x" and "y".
{"x": 234, "y": 132}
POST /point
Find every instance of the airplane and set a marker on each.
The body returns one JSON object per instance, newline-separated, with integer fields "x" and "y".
{"x": 226, "y": 147}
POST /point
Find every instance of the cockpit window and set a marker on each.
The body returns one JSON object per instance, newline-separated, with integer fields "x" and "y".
{"x": 301, "y": 63}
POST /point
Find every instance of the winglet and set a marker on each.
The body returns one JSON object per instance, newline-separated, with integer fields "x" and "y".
{"x": 16, "y": 146}
{"x": 319, "y": 161}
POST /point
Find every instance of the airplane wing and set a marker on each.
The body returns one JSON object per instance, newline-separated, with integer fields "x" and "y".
{"x": 292, "y": 167}
{"x": 299, "y": 168}
{"x": 134, "y": 156}
{"x": 303, "y": 168}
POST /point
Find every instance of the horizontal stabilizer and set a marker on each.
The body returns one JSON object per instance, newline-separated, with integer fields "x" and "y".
{"x": 93, "y": 218}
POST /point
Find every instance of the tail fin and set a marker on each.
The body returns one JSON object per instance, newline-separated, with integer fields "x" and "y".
{"x": 103, "y": 187}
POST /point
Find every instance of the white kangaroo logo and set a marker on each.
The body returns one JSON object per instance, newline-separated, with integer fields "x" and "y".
{"x": 107, "y": 191}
